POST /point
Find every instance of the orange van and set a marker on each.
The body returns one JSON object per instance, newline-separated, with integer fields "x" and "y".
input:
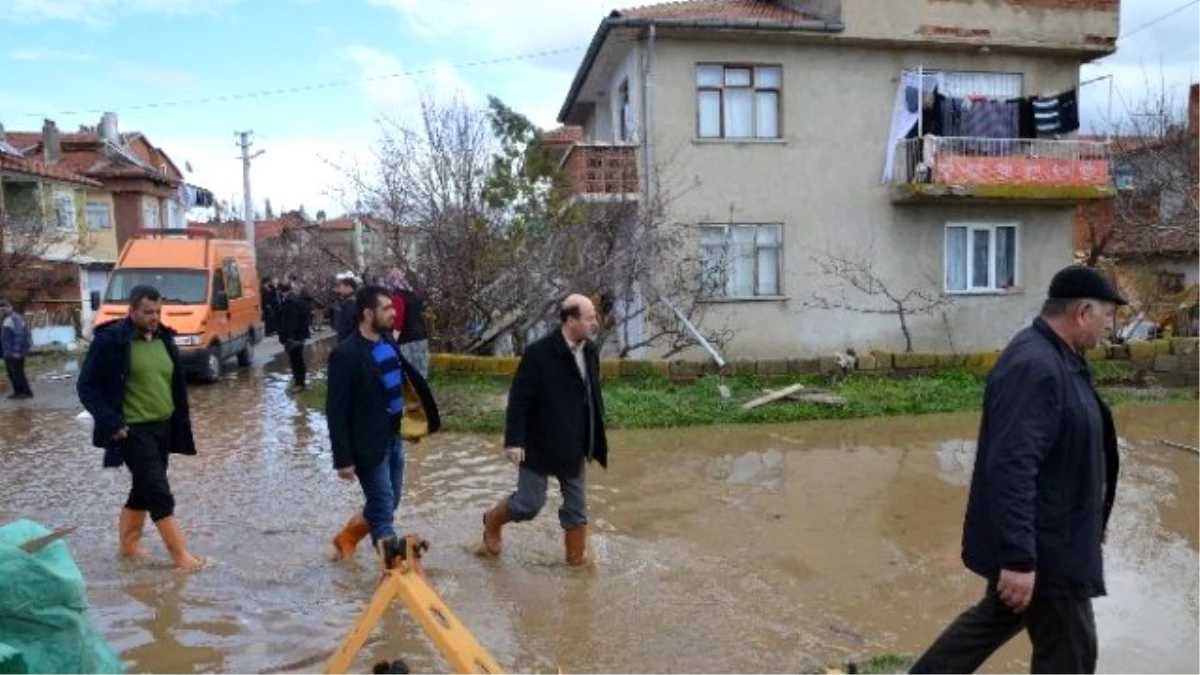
{"x": 210, "y": 292}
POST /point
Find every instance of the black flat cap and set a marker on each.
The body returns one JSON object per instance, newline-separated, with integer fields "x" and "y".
{"x": 1077, "y": 282}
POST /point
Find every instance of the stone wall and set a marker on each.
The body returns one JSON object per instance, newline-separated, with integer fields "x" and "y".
{"x": 1171, "y": 362}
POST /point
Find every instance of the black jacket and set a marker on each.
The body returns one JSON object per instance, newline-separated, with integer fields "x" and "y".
{"x": 414, "y": 318}
{"x": 356, "y": 403}
{"x": 549, "y": 408}
{"x": 345, "y": 318}
{"x": 1046, "y": 469}
{"x": 101, "y": 388}
{"x": 294, "y": 319}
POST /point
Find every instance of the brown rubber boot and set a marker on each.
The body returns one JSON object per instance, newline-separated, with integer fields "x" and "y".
{"x": 493, "y": 521}
{"x": 173, "y": 538}
{"x": 575, "y": 540}
{"x": 353, "y": 532}
{"x": 130, "y": 529}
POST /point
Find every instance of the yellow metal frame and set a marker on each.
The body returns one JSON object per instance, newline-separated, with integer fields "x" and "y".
{"x": 406, "y": 580}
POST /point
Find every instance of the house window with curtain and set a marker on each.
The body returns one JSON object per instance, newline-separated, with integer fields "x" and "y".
{"x": 99, "y": 215}
{"x": 981, "y": 258}
{"x": 64, "y": 211}
{"x": 738, "y": 101}
{"x": 150, "y": 219}
{"x": 740, "y": 261}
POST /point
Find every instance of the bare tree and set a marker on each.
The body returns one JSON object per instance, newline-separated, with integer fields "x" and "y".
{"x": 29, "y": 239}
{"x": 860, "y": 287}
{"x": 1154, "y": 152}
{"x": 478, "y": 209}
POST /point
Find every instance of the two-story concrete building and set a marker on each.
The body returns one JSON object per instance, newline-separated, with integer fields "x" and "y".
{"x": 825, "y": 156}
{"x": 107, "y": 183}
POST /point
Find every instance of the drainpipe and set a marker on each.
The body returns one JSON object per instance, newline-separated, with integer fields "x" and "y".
{"x": 647, "y": 113}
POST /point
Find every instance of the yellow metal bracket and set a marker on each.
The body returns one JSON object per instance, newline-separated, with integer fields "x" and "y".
{"x": 406, "y": 580}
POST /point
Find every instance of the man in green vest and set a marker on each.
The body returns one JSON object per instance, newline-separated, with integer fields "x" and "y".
{"x": 132, "y": 384}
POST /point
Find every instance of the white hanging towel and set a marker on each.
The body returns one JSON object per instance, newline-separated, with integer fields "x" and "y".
{"x": 905, "y": 116}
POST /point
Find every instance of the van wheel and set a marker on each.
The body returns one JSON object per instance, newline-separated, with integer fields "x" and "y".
{"x": 246, "y": 356}
{"x": 212, "y": 365}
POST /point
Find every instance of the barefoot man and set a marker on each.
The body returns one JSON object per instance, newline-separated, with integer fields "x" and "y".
{"x": 554, "y": 426}
{"x": 132, "y": 384}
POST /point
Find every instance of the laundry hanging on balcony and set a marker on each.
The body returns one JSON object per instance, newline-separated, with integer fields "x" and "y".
{"x": 1056, "y": 113}
{"x": 913, "y": 91}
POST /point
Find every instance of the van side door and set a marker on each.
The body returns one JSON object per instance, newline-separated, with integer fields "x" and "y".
{"x": 220, "y": 314}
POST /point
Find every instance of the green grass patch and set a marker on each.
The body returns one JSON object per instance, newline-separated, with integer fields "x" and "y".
{"x": 475, "y": 403}
{"x": 886, "y": 663}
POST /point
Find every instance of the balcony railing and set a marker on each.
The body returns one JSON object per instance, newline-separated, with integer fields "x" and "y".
{"x": 602, "y": 169}
{"x": 936, "y": 168}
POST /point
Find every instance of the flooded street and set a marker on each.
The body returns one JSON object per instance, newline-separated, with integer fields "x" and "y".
{"x": 729, "y": 549}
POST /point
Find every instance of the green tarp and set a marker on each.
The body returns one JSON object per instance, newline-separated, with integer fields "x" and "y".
{"x": 44, "y": 622}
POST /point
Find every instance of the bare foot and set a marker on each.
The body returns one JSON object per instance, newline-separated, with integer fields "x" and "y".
{"x": 190, "y": 563}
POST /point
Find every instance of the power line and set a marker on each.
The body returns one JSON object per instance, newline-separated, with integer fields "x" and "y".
{"x": 1154, "y": 21}
{"x": 309, "y": 87}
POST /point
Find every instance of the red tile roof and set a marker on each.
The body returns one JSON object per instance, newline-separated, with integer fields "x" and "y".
{"x": 83, "y": 152}
{"x": 564, "y": 135}
{"x": 29, "y": 166}
{"x": 741, "y": 10}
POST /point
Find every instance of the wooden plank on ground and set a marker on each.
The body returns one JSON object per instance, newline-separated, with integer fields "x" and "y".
{"x": 821, "y": 397}
{"x": 1179, "y": 446}
{"x": 772, "y": 397}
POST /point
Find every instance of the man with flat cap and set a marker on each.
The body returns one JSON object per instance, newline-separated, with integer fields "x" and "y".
{"x": 1043, "y": 486}
{"x": 554, "y": 425}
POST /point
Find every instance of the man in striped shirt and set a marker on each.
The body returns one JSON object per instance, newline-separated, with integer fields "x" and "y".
{"x": 364, "y": 408}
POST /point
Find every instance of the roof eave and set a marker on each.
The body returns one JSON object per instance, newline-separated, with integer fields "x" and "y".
{"x": 616, "y": 21}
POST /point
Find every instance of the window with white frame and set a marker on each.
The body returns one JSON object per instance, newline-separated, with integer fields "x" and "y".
{"x": 981, "y": 257}
{"x": 99, "y": 215}
{"x": 64, "y": 211}
{"x": 740, "y": 261}
{"x": 738, "y": 101}
{"x": 150, "y": 219}
{"x": 1171, "y": 202}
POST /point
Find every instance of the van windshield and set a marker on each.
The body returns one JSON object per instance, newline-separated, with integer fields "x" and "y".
{"x": 178, "y": 287}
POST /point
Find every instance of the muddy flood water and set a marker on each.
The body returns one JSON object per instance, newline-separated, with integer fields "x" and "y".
{"x": 727, "y": 549}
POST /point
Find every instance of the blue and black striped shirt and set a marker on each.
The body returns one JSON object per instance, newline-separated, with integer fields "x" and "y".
{"x": 387, "y": 364}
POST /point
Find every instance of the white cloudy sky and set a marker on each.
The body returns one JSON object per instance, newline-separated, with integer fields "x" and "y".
{"x": 71, "y": 59}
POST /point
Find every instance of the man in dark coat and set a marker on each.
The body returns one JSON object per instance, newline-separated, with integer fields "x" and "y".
{"x": 345, "y": 316}
{"x": 295, "y": 320}
{"x": 15, "y": 343}
{"x": 554, "y": 426}
{"x": 372, "y": 393}
{"x": 132, "y": 384}
{"x": 1042, "y": 490}
{"x": 270, "y": 305}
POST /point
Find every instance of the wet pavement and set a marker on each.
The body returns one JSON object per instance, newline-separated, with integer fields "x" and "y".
{"x": 725, "y": 549}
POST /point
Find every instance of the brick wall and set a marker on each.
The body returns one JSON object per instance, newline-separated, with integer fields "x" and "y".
{"x": 1172, "y": 362}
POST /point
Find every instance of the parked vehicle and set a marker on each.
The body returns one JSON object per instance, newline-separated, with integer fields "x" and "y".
{"x": 210, "y": 292}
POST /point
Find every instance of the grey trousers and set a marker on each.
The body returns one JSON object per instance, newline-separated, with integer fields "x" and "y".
{"x": 530, "y": 497}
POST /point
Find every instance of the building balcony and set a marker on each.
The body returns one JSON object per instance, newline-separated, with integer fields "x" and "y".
{"x": 940, "y": 170}
{"x": 602, "y": 170}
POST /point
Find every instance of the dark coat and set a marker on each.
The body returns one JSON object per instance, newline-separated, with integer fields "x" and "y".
{"x": 345, "y": 318}
{"x": 101, "y": 388}
{"x": 295, "y": 319}
{"x": 1045, "y": 472}
{"x": 356, "y": 403}
{"x": 549, "y": 407}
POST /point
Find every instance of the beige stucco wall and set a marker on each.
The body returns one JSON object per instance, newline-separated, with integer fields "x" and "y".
{"x": 821, "y": 180}
{"x": 1031, "y": 23}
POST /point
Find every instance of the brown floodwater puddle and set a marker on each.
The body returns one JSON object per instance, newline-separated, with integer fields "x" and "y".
{"x": 723, "y": 549}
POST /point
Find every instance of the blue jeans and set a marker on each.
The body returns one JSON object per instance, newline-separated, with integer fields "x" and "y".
{"x": 381, "y": 486}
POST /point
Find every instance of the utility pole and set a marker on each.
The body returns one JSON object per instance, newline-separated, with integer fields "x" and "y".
{"x": 248, "y": 203}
